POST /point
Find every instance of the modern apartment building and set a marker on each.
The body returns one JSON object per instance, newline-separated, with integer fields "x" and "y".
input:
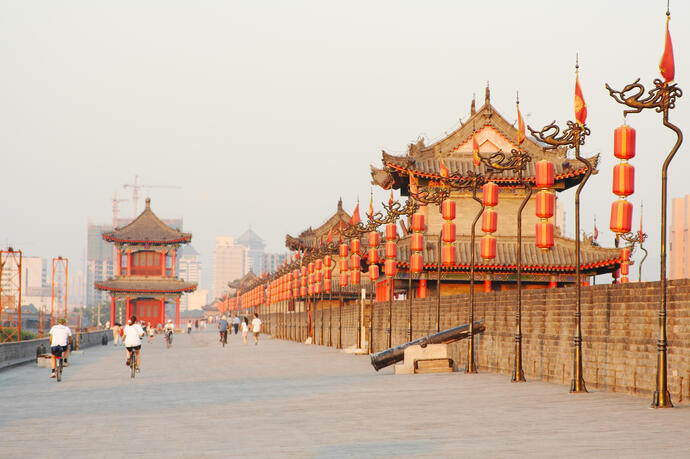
{"x": 679, "y": 249}
{"x": 230, "y": 262}
{"x": 189, "y": 270}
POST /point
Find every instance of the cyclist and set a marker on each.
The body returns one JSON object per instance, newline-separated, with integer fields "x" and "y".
{"x": 60, "y": 338}
{"x": 223, "y": 327}
{"x": 133, "y": 334}
{"x": 169, "y": 329}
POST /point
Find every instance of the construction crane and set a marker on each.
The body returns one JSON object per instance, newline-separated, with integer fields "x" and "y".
{"x": 135, "y": 190}
{"x": 116, "y": 208}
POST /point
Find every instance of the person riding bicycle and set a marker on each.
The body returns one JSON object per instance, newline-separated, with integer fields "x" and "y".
{"x": 133, "y": 334}
{"x": 169, "y": 329}
{"x": 223, "y": 327}
{"x": 60, "y": 338}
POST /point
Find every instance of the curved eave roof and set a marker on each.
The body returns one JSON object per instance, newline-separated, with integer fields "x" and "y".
{"x": 142, "y": 284}
{"x": 147, "y": 228}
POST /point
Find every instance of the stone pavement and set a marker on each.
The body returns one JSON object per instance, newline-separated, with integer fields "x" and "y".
{"x": 290, "y": 400}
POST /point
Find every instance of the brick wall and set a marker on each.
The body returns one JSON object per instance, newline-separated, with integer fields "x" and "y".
{"x": 619, "y": 327}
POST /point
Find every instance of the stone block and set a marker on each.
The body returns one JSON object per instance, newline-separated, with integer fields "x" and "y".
{"x": 415, "y": 353}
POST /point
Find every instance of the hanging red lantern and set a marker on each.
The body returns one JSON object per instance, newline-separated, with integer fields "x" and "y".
{"x": 621, "y": 216}
{"x": 488, "y": 247}
{"x": 448, "y": 209}
{"x": 303, "y": 271}
{"x": 373, "y": 272}
{"x": 448, "y": 232}
{"x": 422, "y": 291}
{"x": 625, "y": 268}
{"x": 416, "y": 263}
{"x": 544, "y": 231}
{"x": 624, "y": 143}
{"x": 625, "y": 254}
{"x": 317, "y": 276}
{"x": 544, "y": 174}
{"x": 391, "y": 249}
{"x": 344, "y": 252}
{"x": 356, "y": 276}
{"x": 374, "y": 239}
{"x": 373, "y": 255}
{"x": 327, "y": 267}
{"x": 623, "y": 179}
{"x": 546, "y": 204}
{"x": 489, "y": 221}
{"x": 391, "y": 267}
{"x": 343, "y": 279}
{"x": 344, "y": 265}
{"x": 487, "y": 286}
{"x": 356, "y": 246}
{"x": 391, "y": 231}
{"x": 418, "y": 222}
{"x": 448, "y": 255}
{"x": 310, "y": 268}
{"x": 327, "y": 288}
{"x": 417, "y": 242}
{"x": 318, "y": 264}
{"x": 624, "y": 280}
{"x": 490, "y": 194}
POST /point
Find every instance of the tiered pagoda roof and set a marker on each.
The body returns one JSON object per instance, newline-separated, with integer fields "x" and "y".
{"x": 147, "y": 229}
{"x": 310, "y": 238}
{"x": 146, "y": 284}
{"x": 494, "y": 134}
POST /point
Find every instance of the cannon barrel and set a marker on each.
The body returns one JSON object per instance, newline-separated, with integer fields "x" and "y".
{"x": 396, "y": 354}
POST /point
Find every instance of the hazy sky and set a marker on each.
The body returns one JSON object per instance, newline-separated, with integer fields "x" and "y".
{"x": 265, "y": 113}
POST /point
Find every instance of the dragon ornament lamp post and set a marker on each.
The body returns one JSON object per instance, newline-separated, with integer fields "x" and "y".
{"x": 572, "y": 137}
{"x": 662, "y": 98}
{"x": 354, "y": 233}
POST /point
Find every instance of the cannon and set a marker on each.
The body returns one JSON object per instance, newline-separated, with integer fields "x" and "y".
{"x": 396, "y": 354}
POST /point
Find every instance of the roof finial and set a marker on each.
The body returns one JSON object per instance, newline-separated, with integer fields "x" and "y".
{"x": 340, "y": 204}
{"x": 148, "y": 203}
{"x": 487, "y": 96}
{"x": 473, "y": 109}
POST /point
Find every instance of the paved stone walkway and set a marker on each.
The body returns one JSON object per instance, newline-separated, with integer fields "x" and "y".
{"x": 286, "y": 399}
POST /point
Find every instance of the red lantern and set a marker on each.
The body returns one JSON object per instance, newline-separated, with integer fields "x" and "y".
{"x": 317, "y": 288}
{"x": 317, "y": 276}
{"x": 391, "y": 231}
{"x": 303, "y": 271}
{"x": 448, "y": 255}
{"x": 310, "y": 267}
{"x": 489, "y": 221}
{"x": 544, "y": 232}
{"x": 356, "y": 246}
{"x": 373, "y": 255}
{"x": 355, "y": 262}
{"x": 310, "y": 289}
{"x": 311, "y": 278}
{"x": 544, "y": 174}
{"x": 373, "y": 272}
{"x": 422, "y": 290}
{"x": 390, "y": 267}
{"x": 623, "y": 179}
{"x": 448, "y": 209}
{"x": 343, "y": 279}
{"x": 356, "y": 276}
{"x": 416, "y": 263}
{"x": 344, "y": 265}
{"x": 318, "y": 264}
{"x": 546, "y": 204}
{"x": 625, "y": 268}
{"x": 327, "y": 286}
{"x": 488, "y": 247}
{"x": 624, "y": 280}
{"x": 487, "y": 286}
{"x": 624, "y": 142}
{"x": 327, "y": 266}
{"x": 418, "y": 222}
{"x": 373, "y": 239}
{"x": 344, "y": 250}
{"x": 490, "y": 194}
{"x": 448, "y": 232}
{"x": 417, "y": 242}
{"x": 621, "y": 216}
{"x": 391, "y": 249}
{"x": 625, "y": 254}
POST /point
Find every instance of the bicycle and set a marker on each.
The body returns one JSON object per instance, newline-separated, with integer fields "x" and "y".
{"x": 58, "y": 366}
{"x": 224, "y": 337}
{"x": 133, "y": 362}
{"x": 169, "y": 338}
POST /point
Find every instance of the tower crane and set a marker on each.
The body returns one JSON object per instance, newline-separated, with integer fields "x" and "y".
{"x": 136, "y": 186}
{"x": 116, "y": 208}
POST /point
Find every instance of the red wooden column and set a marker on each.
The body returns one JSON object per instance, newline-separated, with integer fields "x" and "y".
{"x": 128, "y": 310}
{"x": 162, "y": 311}
{"x": 118, "y": 271}
{"x": 172, "y": 266}
{"x": 129, "y": 262}
{"x": 162, "y": 263}
{"x": 487, "y": 285}
{"x": 112, "y": 311}
{"x": 177, "y": 312}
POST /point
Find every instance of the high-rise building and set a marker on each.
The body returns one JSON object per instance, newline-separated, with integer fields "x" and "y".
{"x": 679, "y": 248}
{"x": 230, "y": 262}
{"x": 189, "y": 270}
{"x": 272, "y": 261}
{"x": 255, "y": 250}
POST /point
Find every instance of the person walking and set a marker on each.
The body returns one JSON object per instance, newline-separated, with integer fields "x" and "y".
{"x": 151, "y": 331}
{"x": 236, "y": 323}
{"x": 256, "y": 328}
{"x": 245, "y": 330}
{"x": 116, "y": 333}
{"x": 189, "y": 327}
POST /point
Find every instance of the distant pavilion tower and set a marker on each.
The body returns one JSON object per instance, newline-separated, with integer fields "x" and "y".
{"x": 147, "y": 280}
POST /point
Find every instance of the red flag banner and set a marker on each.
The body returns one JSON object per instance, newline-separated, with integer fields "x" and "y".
{"x": 580, "y": 105}
{"x": 390, "y": 200}
{"x": 667, "y": 66}
{"x": 521, "y": 127}
{"x": 443, "y": 169}
{"x": 371, "y": 206}
{"x": 413, "y": 184}
{"x": 355, "y": 215}
{"x": 475, "y": 150}
{"x": 329, "y": 239}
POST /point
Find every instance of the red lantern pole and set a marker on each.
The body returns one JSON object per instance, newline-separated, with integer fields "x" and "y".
{"x": 373, "y": 259}
{"x": 416, "y": 261}
{"x": 390, "y": 270}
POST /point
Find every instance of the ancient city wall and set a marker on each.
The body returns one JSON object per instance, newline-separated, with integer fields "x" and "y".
{"x": 619, "y": 326}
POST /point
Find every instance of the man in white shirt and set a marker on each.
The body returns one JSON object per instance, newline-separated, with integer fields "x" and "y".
{"x": 256, "y": 328}
{"x": 132, "y": 336}
{"x": 169, "y": 329}
{"x": 60, "y": 338}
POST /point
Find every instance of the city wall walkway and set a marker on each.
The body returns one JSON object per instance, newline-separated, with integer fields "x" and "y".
{"x": 287, "y": 399}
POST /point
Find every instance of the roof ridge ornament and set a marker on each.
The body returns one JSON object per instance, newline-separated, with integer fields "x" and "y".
{"x": 148, "y": 203}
